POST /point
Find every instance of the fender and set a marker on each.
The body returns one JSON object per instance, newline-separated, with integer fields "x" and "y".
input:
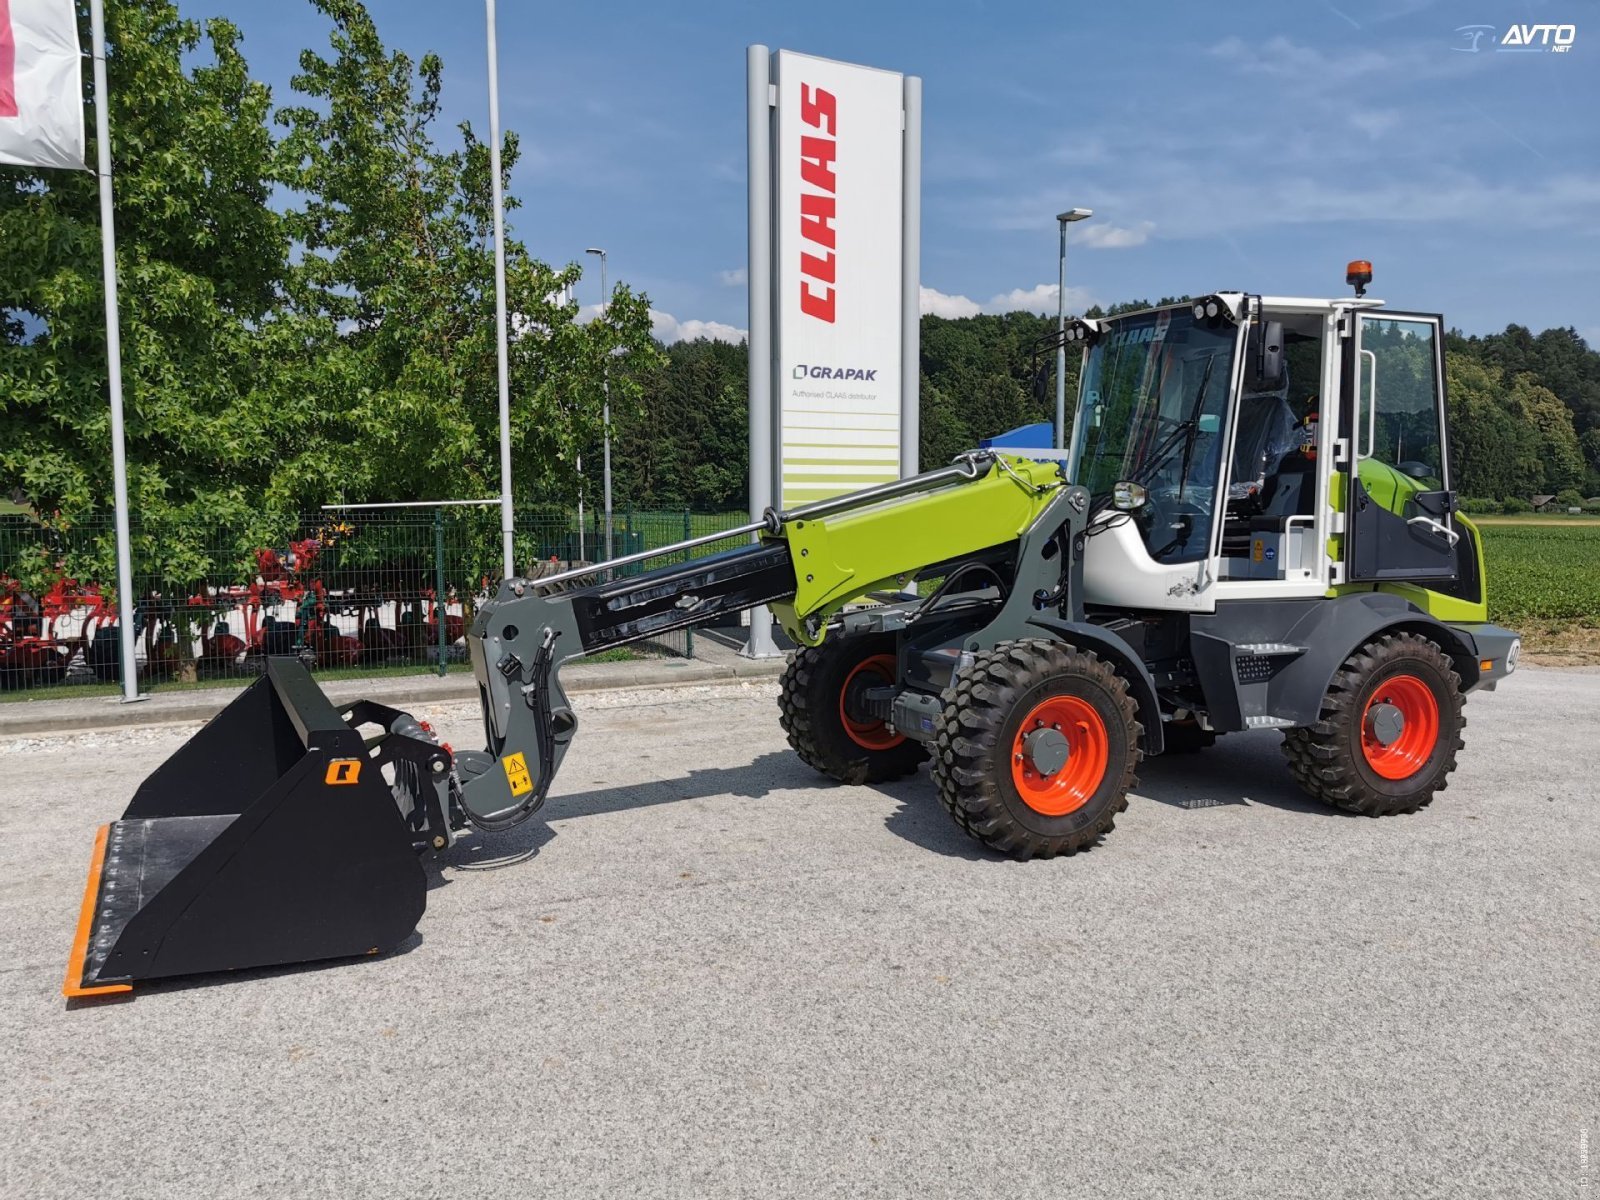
{"x": 1335, "y": 628}
{"x": 1128, "y": 664}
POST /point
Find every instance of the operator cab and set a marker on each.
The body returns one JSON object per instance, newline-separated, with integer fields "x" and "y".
{"x": 1259, "y": 447}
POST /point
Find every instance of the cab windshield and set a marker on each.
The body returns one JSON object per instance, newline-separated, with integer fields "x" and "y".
{"x": 1151, "y": 410}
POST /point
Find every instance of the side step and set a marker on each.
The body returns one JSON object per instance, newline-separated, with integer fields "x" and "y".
{"x": 1254, "y": 665}
{"x": 270, "y": 837}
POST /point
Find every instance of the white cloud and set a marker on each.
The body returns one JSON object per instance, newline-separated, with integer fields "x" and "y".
{"x": 1113, "y": 237}
{"x": 737, "y": 277}
{"x": 1041, "y": 298}
{"x": 1288, "y": 59}
{"x": 938, "y": 304}
{"x": 1308, "y": 69}
{"x": 669, "y": 329}
{"x": 1403, "y": 193}
{"x": 1374, "y": 122}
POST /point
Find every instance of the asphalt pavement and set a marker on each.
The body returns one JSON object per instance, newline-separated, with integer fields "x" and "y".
{"x": 714, "y": 974}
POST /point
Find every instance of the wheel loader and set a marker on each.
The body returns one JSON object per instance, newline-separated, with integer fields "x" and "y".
{"x": 1254, "y": 528}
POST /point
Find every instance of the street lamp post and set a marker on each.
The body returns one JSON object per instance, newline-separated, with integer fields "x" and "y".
{"x": 605, "y": 299}
{"x": 1063, "y": 220}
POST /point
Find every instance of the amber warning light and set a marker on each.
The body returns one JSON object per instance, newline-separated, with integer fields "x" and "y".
{"x": 1358, "y": 274}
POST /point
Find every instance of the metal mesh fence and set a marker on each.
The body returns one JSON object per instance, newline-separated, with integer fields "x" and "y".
{"x": 352, "y": 592}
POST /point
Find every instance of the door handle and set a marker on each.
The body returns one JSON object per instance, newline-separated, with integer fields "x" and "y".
{"x": 1433, "y": 527}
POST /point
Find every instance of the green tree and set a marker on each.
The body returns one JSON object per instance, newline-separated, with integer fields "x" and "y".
{"x": 1589, "y": 443}
{"x": 1558, "y": 450}
{"x": 687, "y": 444}
{"x": 393, "y": 297}
{"x": 198, "y": 254}
{"x": 1494, "y": 454}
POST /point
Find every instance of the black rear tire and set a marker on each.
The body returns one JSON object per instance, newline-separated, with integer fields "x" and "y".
{"x": 810, "y": 708}
{"x": 1328, "y": 759}
{"x": 975, "y": 738}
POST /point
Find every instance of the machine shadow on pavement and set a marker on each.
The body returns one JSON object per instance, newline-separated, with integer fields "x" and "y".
{"x": 1243, "y": 770}
{"x": 778, "y": 770}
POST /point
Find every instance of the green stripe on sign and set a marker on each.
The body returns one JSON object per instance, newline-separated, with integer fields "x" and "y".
{"x": 811, "y": 491}
{"x": 801, "y": 479}
{"x": 887, "y": 464}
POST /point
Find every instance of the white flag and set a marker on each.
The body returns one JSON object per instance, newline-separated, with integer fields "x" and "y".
{"x": 41, "y": 84}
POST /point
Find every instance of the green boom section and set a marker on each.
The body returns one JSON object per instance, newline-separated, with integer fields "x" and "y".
{"x": 843, "y": 556}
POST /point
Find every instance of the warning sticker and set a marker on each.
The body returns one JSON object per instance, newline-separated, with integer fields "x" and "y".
{"x": 517, "y": 774}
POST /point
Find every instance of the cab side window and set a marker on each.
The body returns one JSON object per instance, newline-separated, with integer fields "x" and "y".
{"x": 1401, "y": 429}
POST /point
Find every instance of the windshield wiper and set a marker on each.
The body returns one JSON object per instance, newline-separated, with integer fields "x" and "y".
{"x": 1193, "y": 423}
{"x": 1184, "y": 433}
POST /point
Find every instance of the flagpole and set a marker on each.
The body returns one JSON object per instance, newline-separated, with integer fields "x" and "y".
{"x": 507, "y": 519}
{"x": 108, "y": 262}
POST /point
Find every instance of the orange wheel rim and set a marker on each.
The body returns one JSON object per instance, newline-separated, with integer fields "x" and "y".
{"x": 1399, "y": 753}
{"x": 1055, "y": 793}
{"x": 869, "y": 735}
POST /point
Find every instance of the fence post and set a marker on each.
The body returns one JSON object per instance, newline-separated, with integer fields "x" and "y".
{"x": 688, "y": 634}
{"x": 438, "y": 582}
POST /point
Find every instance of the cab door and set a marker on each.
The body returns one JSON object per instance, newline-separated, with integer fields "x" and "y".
{"x": 1399, "y": 511}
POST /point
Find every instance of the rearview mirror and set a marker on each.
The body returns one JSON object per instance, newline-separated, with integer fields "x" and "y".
{"x": 1264, "y": 364}
{"x": 1128, "y": 496}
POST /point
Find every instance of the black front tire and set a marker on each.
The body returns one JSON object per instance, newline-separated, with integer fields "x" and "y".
{"x": 1327, "y": 759}
{"x": 809, "y": 709}
{"x": 975, "y": 735}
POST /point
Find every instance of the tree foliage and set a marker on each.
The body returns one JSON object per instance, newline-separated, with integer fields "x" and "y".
{"x": 307, "y": 301}
{"x": 395, "y": 291}
{"x": 200, "y": 254}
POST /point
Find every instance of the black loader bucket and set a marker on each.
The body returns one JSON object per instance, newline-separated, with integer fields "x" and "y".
{"x": 271, "y": 837}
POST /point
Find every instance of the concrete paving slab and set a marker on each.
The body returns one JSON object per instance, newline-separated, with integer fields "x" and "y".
{"x": 714, "y": 974}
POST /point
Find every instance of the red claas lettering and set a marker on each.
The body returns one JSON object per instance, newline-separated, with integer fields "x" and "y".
{"x": 819, "y": 109}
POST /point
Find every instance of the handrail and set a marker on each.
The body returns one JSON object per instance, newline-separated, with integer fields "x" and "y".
{"x": 971, "y": 465}
{"x": 1372, "y": 408}
{"x": 1305, "y": 543}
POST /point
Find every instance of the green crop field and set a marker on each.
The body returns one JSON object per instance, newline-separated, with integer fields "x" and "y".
{"x": 1543, "y": 573}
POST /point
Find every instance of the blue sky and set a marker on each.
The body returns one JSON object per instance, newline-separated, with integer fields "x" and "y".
{"x": 1254, "y": 146}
